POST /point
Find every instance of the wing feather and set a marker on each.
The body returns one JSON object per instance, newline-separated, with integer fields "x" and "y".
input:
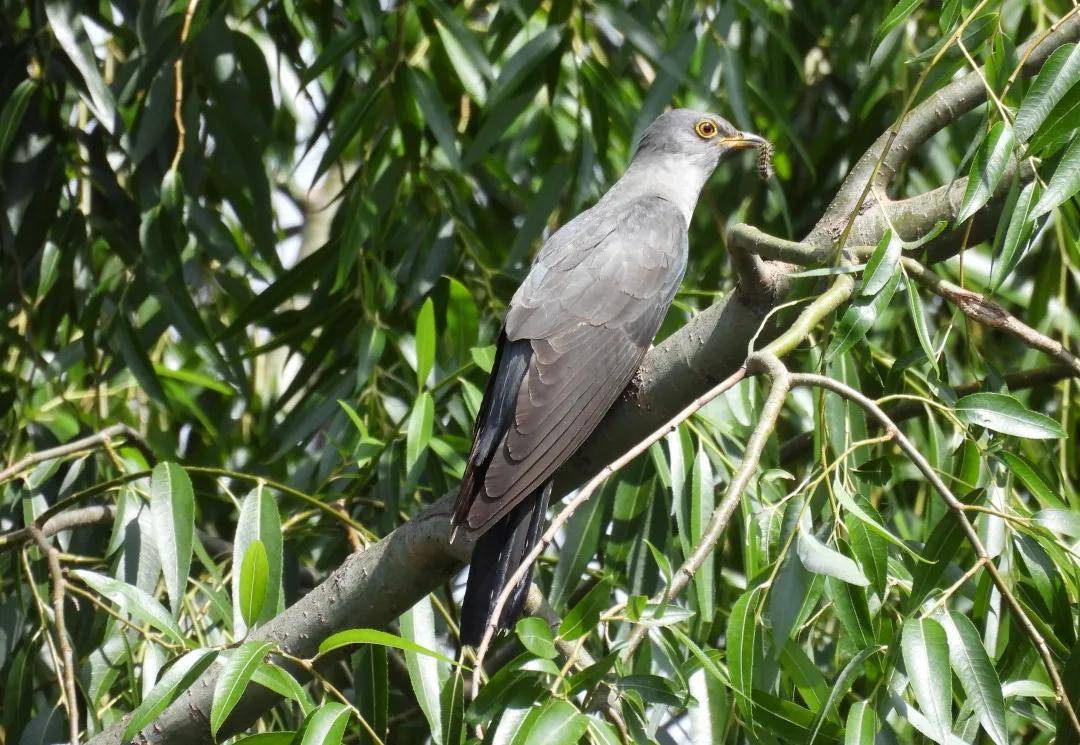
{"x": 588, "y": 311}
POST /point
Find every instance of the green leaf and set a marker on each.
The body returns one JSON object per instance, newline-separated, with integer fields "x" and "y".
{"x": 897, "y": 15}
{"x": 233, "y": 680}
{"x": 859, "y": 318}
{"x": 701, "y": 507}
{"x": 583, "y": 533}
{"x": 136, "y": 602}
{"x": 281, "y": 682}
{"x": 67, "y": 27}
{"x": 945, "y": 540}
{"x": 840, "y": 689}
{"x": 926, "y": 658}
{"x": 881, "y": 267}
{"x": 258, "y": 521}
{"x": 172, "y": 507}
{"x": 253, "y": 578}
{"x": 1001, "y": 412}
{"x": 419, "y": 429}
{"x": 1017, "y": 234}
{"x": 284, "y": 737}
{"x": 326, "y": 725}
{"x": 1029, "y": 475}
{"x": 820, "y": 559}
{"x": 918, "y": 317}
{"x": 851, "y": 608}
{"x": 1063, "y": 184}
{"x": 12, "y": 114}
{"x": 861, "y": 726}
{"x": 425, "y": 342}
{"x": 535, "y": 636}
{"x": 584, "y": 616}
{"x": 435, "y": 115}
{"x": 987, "y": 168}
{"x": 524, "y": 62}
{"x": 177, "y": 679}
{"x": 382, "y": 638}
{"x": 653, "y": 689}
{"x": 977, "y": 675}
{"x": 741, "y": 640}
{"x": 556, "y": 722}
{"x": 709, "y": 709}
{"x": 1059, "y": 73}
{"x": 452, "y": 700}
{"x": 464, "y": 51}
{"x": 425, "y": 676}
{"x": 462, "y": 321}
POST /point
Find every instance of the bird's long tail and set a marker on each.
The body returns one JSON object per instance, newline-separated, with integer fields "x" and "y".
{"x": 497, "y": 555}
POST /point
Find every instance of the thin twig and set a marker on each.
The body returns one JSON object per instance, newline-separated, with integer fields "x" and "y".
{"x": 580, "y": 498}
{"x": 69, "y": 448}
{"x": 67, "y": 671}
{"x": 178, "y": 76}
{"x": 957, "y": 507}
{"x": 988, "y": 313}
{"x": 770, "y": 365}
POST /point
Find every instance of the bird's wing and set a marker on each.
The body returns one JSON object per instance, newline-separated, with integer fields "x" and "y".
{"x": 574, "y": 334}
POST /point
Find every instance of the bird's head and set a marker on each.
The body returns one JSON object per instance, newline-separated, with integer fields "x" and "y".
{"x": 694, "y": 140}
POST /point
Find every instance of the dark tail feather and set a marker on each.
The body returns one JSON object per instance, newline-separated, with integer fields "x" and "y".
{"x": 496, "y": 556}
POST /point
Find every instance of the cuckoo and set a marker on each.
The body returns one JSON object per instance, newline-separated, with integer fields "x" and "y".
{"x": 572, "y": 339}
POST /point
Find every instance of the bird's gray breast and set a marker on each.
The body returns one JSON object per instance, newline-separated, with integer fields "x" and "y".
{"x": 615, "y": 265}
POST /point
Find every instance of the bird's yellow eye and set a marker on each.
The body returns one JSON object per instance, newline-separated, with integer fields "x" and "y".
{"x": 706, "y": 129}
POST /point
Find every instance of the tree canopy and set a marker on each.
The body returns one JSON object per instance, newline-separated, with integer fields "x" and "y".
{"x": 254, "y": 259}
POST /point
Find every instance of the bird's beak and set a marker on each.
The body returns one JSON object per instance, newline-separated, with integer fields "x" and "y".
{"x": 743, "y": 140}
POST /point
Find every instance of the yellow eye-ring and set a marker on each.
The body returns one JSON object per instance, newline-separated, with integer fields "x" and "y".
{"x": 706, "y": 129}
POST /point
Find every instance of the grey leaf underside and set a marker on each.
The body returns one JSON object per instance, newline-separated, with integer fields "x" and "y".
{"x": 589, "y": 308}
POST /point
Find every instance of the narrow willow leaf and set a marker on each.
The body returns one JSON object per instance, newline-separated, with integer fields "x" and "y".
{"x": 861, "y": 725}
{"x": 472, "y": 68}
{"x": 1029, "y": 475}
{"x": 419, "y": 429}
{"x": 1063, "y": 184}
{"x": 556, "y": 722}
{"x": 702, "y": 500}
{"x": 425, "y": 342}
{"x": 583, "y": 534}
{"x": 820, "y": 559}
{"x": 709, "y": 710}
{"x": 987, "y": 169}
{"x": 535, "y": 636}
{"x": 1059, "y": 73}
{"x": 462, "y": 321}
{"x": 284, "y": 737}
{"x": 805, "y": 674}
{"x": 789, "y": 721}
{"x": 926, "y": 657}
{"x": 233, "y": 680}
{"x": 918, "y": 317}
{"x": 425, "y": 677}
{"x": 882, "y": 264}
{"x": 859, "y": 318}
{"x": 1001, "y": 412}
{"x": 897, "y": 15}
{"x": 524, "y": 62}
{"x": 839, "y": 689}
{"x": 381, "y": 638}
{"x": 12, "y": 114}
{"x": 70, "y": 33}
{"x": 281, "y": 682}
{"x": 435, "y": 114}
{"x": 741, "y": 641}
{"x": 977, "y": 675}
{"x": 172, "y": 506}
{"x": 259, "y": 520}
{"x": 452, "y": 700}
{"x": 177, "y": 679}
{"x": 326, "y": 725}
{"x": 852, "y": 609}
{"x": 253, "y": 579}
{"x": 1018, "y": 233}
{"x": 137, "y": 602}
{"x": 583, "y": 617}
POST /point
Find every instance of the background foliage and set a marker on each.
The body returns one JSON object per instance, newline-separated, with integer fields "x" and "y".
{"x": 300, "y": 313}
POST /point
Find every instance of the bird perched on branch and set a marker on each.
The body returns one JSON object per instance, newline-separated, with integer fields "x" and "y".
{"x": 573, "y": 337}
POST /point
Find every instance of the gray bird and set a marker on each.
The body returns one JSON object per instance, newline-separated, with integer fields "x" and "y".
{"x": 573, "y": 337}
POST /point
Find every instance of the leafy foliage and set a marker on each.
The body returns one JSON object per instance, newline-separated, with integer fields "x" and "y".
{"x": 275, "y": 240}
